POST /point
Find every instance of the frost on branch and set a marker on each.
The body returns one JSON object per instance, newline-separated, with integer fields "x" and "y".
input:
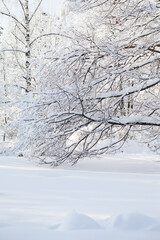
{"x": 102, "y": 87}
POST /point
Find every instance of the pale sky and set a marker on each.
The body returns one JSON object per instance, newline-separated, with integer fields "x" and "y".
{"x": 49, "y": 6}
{"x": 52, "y": 6}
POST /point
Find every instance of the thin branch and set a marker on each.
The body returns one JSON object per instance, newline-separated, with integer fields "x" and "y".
{"x": 35, "y": 10}
{"x": 153, "y": 50}
{"x": 11, "y": 16}
{"x": 18, "y": 39}
{"x": 12, "y": 50}
{"x": 50, "y": 34}
{"x": 6, "y": 6}
{"x": 131, "y": 90}
{"x": 22, "y": 7}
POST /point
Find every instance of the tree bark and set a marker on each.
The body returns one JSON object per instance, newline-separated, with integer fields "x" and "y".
{"x": 28, "y": 51}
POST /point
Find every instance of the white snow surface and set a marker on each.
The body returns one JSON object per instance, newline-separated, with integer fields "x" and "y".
{"x": 75, "y": 221}
{"x": 116, "y": 197}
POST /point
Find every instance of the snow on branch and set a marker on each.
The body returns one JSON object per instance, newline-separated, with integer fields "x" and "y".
{"x": 130, "y": 90}
{"x": 135, "y": 120}
{"x": 13, "y": 50}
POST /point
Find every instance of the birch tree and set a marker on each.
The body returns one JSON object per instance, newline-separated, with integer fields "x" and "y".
{"x": 109, "y": 63}
{"x": 28, "y": 38}
{"x": 25, "y": 35}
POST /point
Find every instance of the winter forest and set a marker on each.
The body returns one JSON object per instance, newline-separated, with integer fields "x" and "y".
{"x": 80, "y": 84}
{"x": 83, "y": 84}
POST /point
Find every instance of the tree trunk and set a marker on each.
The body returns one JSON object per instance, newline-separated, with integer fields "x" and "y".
{"x": 28, "y": 52}
{"x": 5, "y": 95}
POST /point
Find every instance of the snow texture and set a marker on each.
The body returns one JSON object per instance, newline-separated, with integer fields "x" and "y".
{"x": 134, "y": 221}
{"x": 75, "y": 221}
{"x": 112, "y": 198}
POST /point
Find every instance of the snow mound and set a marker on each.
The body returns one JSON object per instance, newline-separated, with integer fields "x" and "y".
{"x": 76, "y": 221}
{"x": 134, "y": 221}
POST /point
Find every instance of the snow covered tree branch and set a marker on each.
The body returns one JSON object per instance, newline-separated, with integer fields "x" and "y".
{"x": 102, "y": 87}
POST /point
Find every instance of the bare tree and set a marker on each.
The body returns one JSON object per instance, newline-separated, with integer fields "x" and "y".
{"x": 27, "y": 39}
{"x": 24, "y": 27}
{"x": 103, "y": 86}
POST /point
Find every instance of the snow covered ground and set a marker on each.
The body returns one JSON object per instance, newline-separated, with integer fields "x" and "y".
{"x": 115, "y": 198}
